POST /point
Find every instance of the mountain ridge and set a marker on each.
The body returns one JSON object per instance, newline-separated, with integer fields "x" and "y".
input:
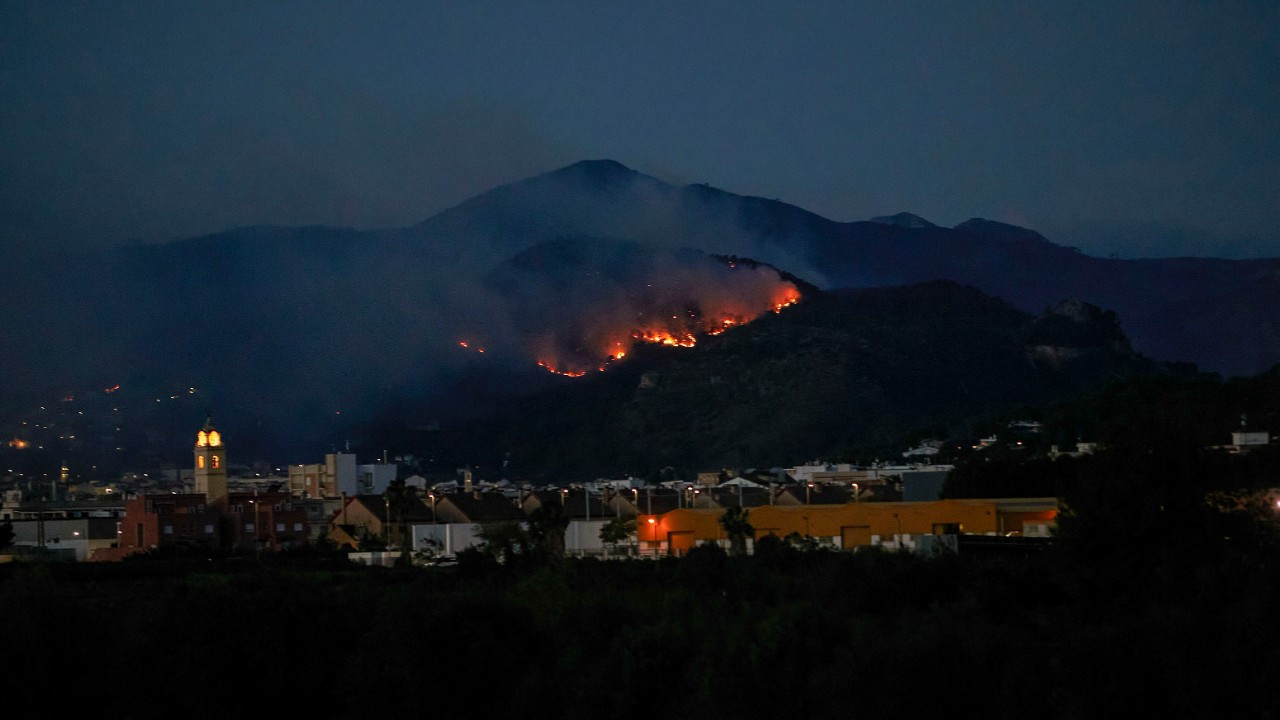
{"x": 303, "y": 325}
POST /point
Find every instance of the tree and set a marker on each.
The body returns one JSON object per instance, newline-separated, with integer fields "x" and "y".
{"x": 546, "y": 529}
{"x": 737, "y": 528}
{"x": 618, "y": 530}
{"x": 6, "y": 534}
{"x": 504, "y": 541}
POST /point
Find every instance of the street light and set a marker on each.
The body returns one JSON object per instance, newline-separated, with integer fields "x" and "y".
{"x": 807, "y": 488}
{"x": 855, "y": 492}
{"x": 257, "y": 533}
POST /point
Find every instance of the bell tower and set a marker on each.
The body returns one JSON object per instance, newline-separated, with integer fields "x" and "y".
{"x": 211, "y": 463}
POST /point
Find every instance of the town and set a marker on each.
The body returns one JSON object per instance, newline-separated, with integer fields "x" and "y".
{"x": 381, "y": 513}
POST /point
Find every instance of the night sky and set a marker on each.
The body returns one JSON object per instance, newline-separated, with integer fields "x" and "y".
{"x": 1133, "y": 129}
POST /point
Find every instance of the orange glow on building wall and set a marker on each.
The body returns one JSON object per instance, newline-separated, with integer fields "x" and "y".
{"x": 855, "y": 524}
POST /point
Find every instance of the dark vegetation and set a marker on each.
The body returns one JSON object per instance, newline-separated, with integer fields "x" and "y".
{"x": 1157, "y": 598}
{"x": 846, "y": 376}
{"x": 780, "y": 633}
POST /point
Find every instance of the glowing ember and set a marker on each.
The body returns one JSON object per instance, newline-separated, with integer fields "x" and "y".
{"x": 663, "y": 337}
{"x": 566, "y": 373}
{"x": 674, "y": 305}
{"x": 790, "y": 298}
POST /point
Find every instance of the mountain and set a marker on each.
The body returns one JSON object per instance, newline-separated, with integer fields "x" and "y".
{"x": 850, "y": 374}
{"x": 301, "y": 332}
{"x": 904, "y": 219}
{"x": 1176, "y": 309}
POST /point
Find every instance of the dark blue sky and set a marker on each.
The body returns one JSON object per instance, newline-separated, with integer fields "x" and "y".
{"x": 1140, "y": 129}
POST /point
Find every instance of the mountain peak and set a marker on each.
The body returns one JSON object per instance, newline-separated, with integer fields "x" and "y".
{"x": 903, "y": 219}
{"x": 601, "y": 169}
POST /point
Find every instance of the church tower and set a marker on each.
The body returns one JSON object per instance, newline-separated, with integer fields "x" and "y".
{"x": 211, "y": 464}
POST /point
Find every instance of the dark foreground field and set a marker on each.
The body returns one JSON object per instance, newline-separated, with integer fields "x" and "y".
{"x": 785, "y": 633}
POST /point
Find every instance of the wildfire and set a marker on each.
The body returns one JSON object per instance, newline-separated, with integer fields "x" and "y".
{"x": 681, "y": 328}
{"x": 791, "y": 298}
{"x": 566, "y": 373}
{"x": 679, "y": 306}
{"x": 663, "y": 337}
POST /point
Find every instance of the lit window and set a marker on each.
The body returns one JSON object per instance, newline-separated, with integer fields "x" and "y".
{"x": 248, "y": 527}
{"x": 279, "y": 527}
{"x": 168, "y": 529}
{"x": 208, "y": 529}
{"x": 200, "y": 461}
{"x": 214, "y": 459}
{"x": 297, "y": 527}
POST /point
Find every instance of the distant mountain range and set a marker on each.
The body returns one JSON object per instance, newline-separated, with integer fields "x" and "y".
{"x": 309, "y": 330}
{"x": 1222, "y": 315}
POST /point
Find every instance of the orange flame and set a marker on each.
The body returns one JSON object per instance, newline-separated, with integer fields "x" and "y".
{"x": 679, "y": 313}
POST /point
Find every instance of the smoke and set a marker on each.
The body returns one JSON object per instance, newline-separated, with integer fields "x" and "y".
{"x": 578, "y": 305}
{"x": 303, "y": 332}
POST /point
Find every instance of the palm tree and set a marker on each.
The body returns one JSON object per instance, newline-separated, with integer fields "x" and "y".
{"x": 737, "y": 528}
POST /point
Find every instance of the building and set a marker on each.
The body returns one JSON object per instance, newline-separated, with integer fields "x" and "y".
{"x": 338, "y": 476}
{"x": 60, "y": 537}
{"x": 334, "y": 477}
{"x": 457, "y": 519}
{"x": 211, "y": 519}
{"x": 210, "y": 479}
{"x": 889, "y": 525}
{"x": 1246, "y": 440}
{"x": 385, "y": 519}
